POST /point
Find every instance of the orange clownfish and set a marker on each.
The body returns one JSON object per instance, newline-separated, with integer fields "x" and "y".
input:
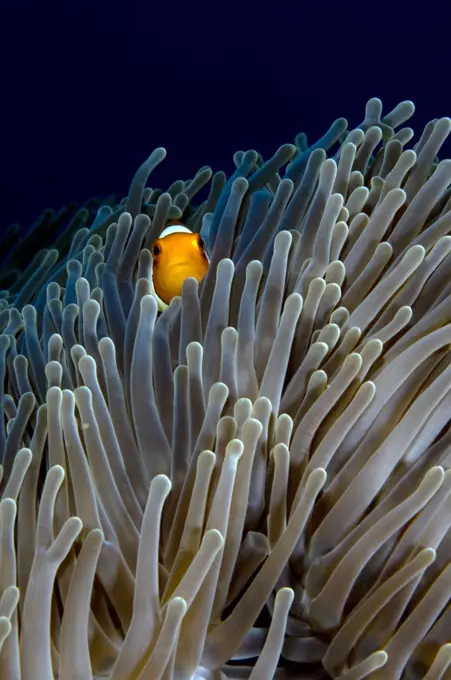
{"x": 176, "y": 255}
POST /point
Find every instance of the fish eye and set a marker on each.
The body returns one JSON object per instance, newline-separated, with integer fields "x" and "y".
{"x": 156, "y": 250}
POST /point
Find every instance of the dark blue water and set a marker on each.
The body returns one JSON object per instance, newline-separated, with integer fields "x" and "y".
{"x": 90, "y": 88}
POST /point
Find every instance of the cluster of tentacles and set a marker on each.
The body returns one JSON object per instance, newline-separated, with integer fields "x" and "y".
{"x": 255, "y": 483}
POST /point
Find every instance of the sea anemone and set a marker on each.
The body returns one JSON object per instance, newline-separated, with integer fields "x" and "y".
{"x": 254, "y": 483}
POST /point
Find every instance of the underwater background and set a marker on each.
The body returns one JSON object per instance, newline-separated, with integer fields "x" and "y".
{"x": 90, "y": 88}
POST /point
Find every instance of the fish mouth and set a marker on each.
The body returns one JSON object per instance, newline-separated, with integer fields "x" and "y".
{"x": 188, "y": 268}
{"x": 182, "y": 264}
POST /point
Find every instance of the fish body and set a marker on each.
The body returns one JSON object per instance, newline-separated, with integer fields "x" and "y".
{"x": 177, "y": 254}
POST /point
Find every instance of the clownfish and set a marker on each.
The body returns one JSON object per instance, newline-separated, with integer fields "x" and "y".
{"x": 177, "y": 254}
